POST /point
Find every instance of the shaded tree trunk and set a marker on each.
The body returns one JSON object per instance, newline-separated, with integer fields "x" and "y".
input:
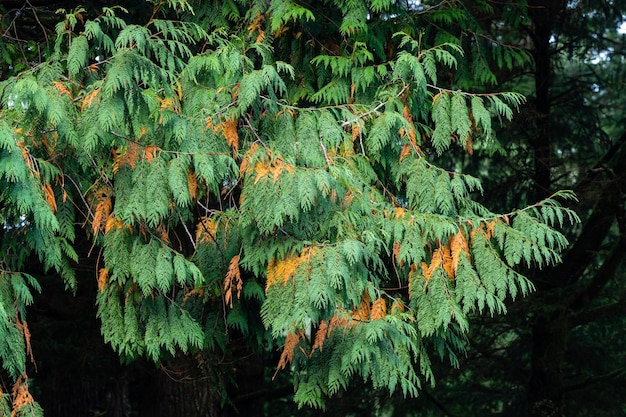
{"x": 550, "y": 330}
{"x": 561, "y": 289}
{"x": 549, "y": 343}
{"x": 177, "y": 392}
{"x": 543, "y": 16}
{"x": 77, "y": 375}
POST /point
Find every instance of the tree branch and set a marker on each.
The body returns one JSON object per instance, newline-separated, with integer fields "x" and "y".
{"x": 587, "y": 316}
{"x": 605, "y": 197}
{"x": 606, "y": 272}
{"x": 593, "y": 380}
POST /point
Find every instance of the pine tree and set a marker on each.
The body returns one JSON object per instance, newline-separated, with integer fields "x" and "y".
{"x": 266, "y": 153}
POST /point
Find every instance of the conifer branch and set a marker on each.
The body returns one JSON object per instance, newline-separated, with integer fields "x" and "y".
{"x": 191, "y": 239}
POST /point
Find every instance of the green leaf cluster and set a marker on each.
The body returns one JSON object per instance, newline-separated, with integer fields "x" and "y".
{"x": 277, "y": 176}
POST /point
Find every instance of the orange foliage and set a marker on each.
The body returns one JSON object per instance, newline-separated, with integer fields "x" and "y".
{"x": 435, "y": 262}
{"x": 102, "y": 214}
{"x": 441, "y": 258}
{"x": 244, "y": 168}
{"x": 325, "y": 329}
{"x": 291, "y": 342}
{"x": 228, "y": 129}
{"x": 490, "y": 228}
{"x": 179, "y": 90}
{"x": 406, "y": 113}
{"x": 89, "y": 98}
{"x": 163, "y": 233}
{"x": 261, "y": 170}
{"x": 150, "y": 152}
{"x": 102, "y": 279}
{"x": 21, "y": 395}
{"x": 49, "y": 194}
{"x": 458, "y": 246}
{"x": 281, "y": 31}
{"x": 206, "y": 231}
{"x": 406, "y": 151}
{"x": 399, "y": 213}
{"x": 412, "y": 136}
{"x": 396, "y": 252}
{"x": 397, "y": 305}
{"x": 62, "y": 89}
{"x": 379, "y": 309}
{"x": 256, "y": 26}
{"x": 28, "y": 158}
{"x": 339, "y": 321}
{"x": 127, "y": 158}
{"x": 170, "y": 104}
{"x": 320, "y": 336}
{"x": 199, "y": 292}
{"x": 192, "y": 185}
{"x": 23, "y": 328}
{"x": 362, "y": 312}
{"x": 233, "y": 281}
{"x": 435, "y": 97}
{"x": 50, "y": 145}
{"x": 275, "y": 168}
{"x": 347, "y": 200}
{"x": 356, "y": 132}
{"x": 412, "y": 271}
{"x": 166, "y": 103}
{"x": 113, "y": 222}
{"x": 281, "y": 271}
{"x": 446, "y": 257}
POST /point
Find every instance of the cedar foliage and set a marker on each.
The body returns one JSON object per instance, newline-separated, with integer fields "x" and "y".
{"x": 266, "y": 153}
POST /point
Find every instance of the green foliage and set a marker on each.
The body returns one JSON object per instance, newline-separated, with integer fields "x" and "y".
{"x": 208, "y": 166}
{"x": 284, "y": 11}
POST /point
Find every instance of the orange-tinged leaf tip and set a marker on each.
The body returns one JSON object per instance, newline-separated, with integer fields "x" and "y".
{"x": 320, "y": 336}
{"x": 102, "y": 279}
{"x": 89, "y": 98}
{"x": 397, "y": 305}
{"x": 406, "y": 151}
{"x": 379, "y": 309}
{"x": 151, "y": 152}
{"x": 289, "y": 348}
{"x": 233, "y": 281}
{"x": 50, "y": 199}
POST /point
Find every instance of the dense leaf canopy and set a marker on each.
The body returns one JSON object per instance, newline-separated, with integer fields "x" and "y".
{"x": 252, "y": 159}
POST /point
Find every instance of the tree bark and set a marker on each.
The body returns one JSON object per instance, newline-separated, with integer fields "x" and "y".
{"x": 76, "y": 374}
{"x": 549, "y": 342}
{"x": 551, "y": 329}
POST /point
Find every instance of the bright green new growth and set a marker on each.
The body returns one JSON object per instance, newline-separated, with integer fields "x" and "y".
{"x": 225, "y": 168}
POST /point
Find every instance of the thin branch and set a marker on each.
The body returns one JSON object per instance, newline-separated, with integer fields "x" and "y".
{"x": 606, "y": 273}
{"x": 91, "y": 215}
{"x": 438, "y": 404}
{"x": 372, "y": 111}
{"x": 43, "y": 28}
{"x": 601, "y": 220}
{"x": 191, "y": 239}
{"x": 594, "y": 380}
{"x": 325, "y": 154}
{"x": 609, "y": 310}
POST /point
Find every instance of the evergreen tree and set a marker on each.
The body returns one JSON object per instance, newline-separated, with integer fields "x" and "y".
{"x": 268, "y": 169}
{"x": 563, "y": 343}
